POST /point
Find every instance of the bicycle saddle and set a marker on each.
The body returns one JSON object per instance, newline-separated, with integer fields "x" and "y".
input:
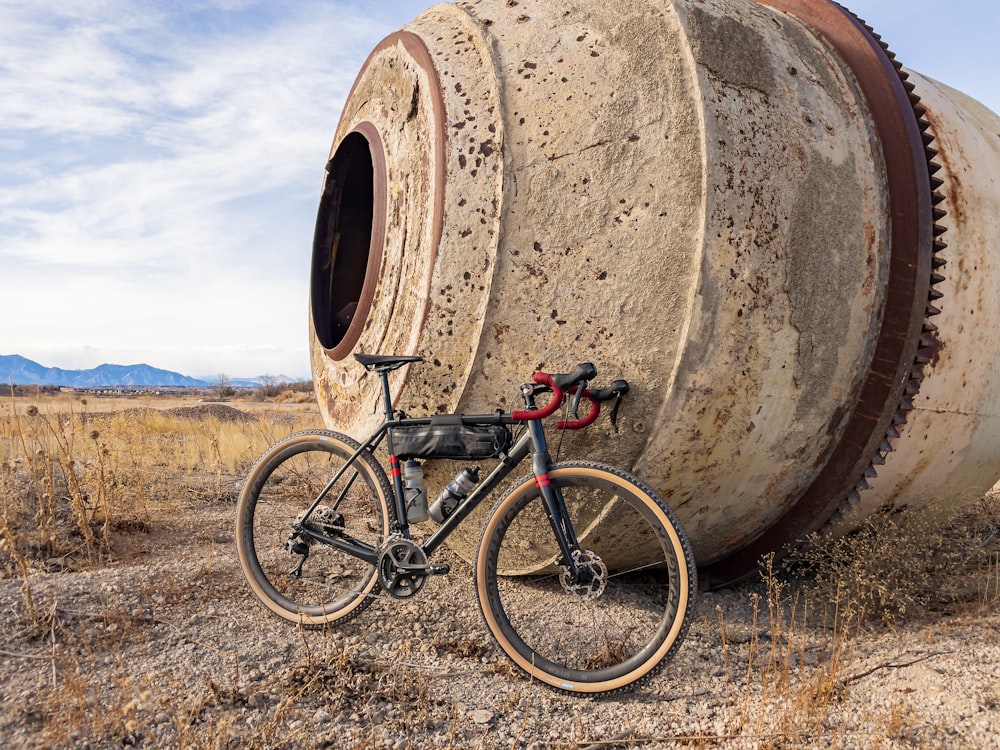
{"x": 380, "y": 362}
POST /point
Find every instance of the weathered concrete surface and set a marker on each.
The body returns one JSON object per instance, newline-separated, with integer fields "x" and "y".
{"x": 690, "y": 194}
{"x": 430, "y": 281}
{"x": 793, "y": 259}
{"x": 948, "y": 451}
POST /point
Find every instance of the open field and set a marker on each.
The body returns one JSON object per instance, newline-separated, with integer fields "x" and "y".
{"x": 125, "y": 621}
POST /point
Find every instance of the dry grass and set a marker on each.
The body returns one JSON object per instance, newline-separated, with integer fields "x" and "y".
{"x": 786, "y": 675}
{"x": 81, "y": 481}
{"x": 81, "y": 478}
{"x": 795, "y": 664}
{"x": 903, "y": 567}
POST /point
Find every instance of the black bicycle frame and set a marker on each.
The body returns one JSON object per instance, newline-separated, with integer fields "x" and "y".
{"x": 532, "y": 442}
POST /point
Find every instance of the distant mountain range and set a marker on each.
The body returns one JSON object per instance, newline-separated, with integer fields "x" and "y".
{"x": 18, "y": 370}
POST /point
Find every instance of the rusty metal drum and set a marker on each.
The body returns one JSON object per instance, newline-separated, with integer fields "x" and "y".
{"x": 784, "y": 240}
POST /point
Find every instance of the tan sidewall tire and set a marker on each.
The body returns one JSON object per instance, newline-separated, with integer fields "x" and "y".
{"x": 342, "y": 446}
{"x": 679, "y": 545}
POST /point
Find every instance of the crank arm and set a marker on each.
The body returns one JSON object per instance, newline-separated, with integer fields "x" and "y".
{"x": 431, "y": 569}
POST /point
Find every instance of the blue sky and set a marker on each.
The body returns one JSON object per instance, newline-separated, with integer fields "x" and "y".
{"x": 162, "y": 165}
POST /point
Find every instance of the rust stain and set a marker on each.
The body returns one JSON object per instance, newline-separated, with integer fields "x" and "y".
{"x": 690, "y": 286}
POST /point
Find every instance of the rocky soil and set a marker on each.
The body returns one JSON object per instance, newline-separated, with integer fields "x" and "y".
{"x": 166, "y": 648}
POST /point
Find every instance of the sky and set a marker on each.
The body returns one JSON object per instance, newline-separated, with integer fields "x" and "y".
{"x": 162, "y": 162}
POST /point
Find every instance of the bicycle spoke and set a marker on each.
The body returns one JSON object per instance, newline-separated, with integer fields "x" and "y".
{"x": 296, "y": 576}
{"x": 617, "y": 620}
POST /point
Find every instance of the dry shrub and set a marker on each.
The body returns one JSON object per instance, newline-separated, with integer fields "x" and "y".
{"x": 905, "y": 565}
{"x": 787, "y": 674}
{"x": 295, "y": 397}
{"x": 786, "y": 677}
{"x": 76, "y": 484}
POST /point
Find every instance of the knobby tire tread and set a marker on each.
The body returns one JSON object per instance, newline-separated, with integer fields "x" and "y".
{"x": 264, "y": 467}
{"x": 679, "y": 543}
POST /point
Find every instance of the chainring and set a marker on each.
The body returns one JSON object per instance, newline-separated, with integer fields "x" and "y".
{"x": 402, "y": 568}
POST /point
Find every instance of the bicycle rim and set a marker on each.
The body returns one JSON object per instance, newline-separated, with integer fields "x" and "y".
{"x": 330, "y": 585}
{"x": 613, "y": 632}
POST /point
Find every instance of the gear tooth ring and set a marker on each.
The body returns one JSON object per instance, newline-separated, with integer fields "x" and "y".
{"x": 402, "y": 568}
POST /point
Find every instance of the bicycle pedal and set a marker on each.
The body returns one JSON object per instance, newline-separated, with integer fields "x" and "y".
{"x": 438, "y": 569}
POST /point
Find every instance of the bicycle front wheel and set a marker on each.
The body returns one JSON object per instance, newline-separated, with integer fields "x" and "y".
{"x": 301, "y": 580}
{"x": 615, "y": 625}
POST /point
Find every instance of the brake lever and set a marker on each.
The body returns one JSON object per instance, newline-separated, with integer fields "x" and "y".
{"x": 575, "y": 406}
{"x": 614, "y": 411}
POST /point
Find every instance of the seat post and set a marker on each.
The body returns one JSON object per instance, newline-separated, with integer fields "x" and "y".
{"x": 390, "y": 413}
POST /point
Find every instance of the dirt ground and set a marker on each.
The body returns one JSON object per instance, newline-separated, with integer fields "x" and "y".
{"x": 166, "y": 648}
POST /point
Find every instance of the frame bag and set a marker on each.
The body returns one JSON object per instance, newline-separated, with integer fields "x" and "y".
{"x": 447, "y": 437}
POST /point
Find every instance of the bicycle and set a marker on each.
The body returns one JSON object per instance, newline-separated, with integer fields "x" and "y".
{"x": 321, "y": 530}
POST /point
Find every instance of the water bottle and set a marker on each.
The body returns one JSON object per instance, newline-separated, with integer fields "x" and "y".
{"x": 456, "y": 491}
{"x": 415, "y": 493}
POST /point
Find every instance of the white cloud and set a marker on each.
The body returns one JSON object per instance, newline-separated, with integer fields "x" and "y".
{"x": 162, "y": 163}
{"x": 221, "y": 119}
{"x": 162, "y": 168}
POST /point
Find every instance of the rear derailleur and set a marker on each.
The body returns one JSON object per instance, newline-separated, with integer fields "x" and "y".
{"x": 325, "y": 520}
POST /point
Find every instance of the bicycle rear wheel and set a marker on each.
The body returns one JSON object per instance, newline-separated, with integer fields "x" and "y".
{"x": 611, "y": 631}
{"x": 304, "y": 581}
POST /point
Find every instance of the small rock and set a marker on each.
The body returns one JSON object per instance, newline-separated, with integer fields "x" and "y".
{"x": 481, "y": 716}
{"x": 258, "y": 700}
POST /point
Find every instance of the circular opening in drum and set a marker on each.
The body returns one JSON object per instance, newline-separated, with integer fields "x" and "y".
{"x": 347, "y": 246}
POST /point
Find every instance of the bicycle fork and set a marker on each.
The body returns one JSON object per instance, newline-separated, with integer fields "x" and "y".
{"x": 555, "y": 508}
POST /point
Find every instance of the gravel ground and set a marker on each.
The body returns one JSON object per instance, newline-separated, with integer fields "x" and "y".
{"x": 167, "y": 648}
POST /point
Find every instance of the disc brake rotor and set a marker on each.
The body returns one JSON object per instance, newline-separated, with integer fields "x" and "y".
{"x": 592, "y": 578}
